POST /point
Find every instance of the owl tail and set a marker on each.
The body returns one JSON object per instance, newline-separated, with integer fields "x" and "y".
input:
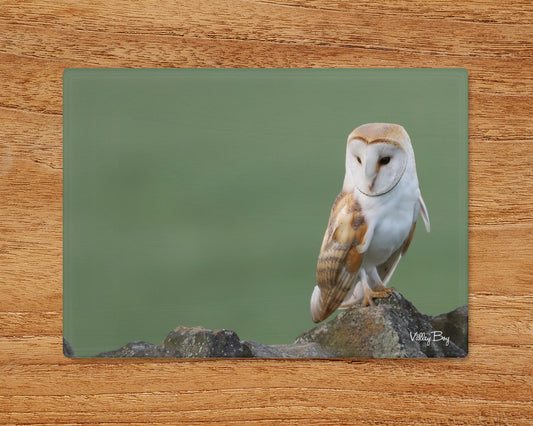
{"x": 316, "y": 305}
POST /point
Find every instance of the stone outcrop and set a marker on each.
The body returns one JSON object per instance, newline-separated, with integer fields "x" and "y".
{"x": 393, "y": 328}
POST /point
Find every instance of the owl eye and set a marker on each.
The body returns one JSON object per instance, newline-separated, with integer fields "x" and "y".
{"x": 384, "y": 160}
{"x": 358, "y": 160}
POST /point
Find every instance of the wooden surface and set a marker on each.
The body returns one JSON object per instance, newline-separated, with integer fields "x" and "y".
{"x": 492, "y": 39}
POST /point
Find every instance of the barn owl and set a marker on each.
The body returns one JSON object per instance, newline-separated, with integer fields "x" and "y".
{"x": 372, "y": 221}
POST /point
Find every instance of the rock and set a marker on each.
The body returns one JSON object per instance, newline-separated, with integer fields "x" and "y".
{"x": 67, "y": 349}
{"x": 137, "y": 349}
{"x": 199, "y": 342}
{"x": 393, "y": 328}
{"x": 455, "y": 325}
{"x": 302, "y": 350}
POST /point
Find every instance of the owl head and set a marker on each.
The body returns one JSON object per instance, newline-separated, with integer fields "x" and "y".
{"x": 377, "y": 156}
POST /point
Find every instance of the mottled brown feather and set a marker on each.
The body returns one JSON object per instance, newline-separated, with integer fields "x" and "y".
{"x": 339, "y": 261}
{"x": 379, "y": 132}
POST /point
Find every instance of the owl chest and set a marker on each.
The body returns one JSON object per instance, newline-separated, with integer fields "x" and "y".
{"x": 391, "y": 223}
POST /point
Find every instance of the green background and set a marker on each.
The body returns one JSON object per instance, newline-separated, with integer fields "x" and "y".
{"x": 201, "y": 196}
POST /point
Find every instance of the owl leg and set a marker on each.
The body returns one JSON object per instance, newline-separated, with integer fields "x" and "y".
{"x": 379, "y": 287}
{"x": 379, "y": 291}
{"x": 354, "y": 296}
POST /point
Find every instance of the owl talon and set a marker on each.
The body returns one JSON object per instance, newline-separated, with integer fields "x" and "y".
{"x": 367, "y": 301}
{"x": 378, "y": 293}
{"x": 381, "y": 289}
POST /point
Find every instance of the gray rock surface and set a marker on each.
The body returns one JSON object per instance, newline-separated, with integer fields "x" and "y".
{"x": 393, "y": 328}
{"x": 137, "y": 350}
{"x": 455, "y": 325}
{"x": 199, "y": 342}
{"x": 187, "y": 342}
{"x": 67, "y": 349}
{"x": 295, "y": 350}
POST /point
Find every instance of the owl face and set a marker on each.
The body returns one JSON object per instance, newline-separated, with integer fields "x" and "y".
{"x": 375, "y": 168}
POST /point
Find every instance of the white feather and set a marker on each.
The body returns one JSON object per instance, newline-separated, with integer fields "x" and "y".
{"x": 424, "y": 212}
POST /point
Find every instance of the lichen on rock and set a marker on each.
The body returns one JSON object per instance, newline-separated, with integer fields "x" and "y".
{"x": 393, "y": 328}
{"x": 199, "y": 342}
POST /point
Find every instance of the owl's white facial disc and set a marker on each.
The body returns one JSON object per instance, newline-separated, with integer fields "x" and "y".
{"x": 375, "y": 168}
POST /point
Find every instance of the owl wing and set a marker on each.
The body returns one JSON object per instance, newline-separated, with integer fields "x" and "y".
{"x": 338, "y": 261}
{"x": 386, "y": 269}
{"x": 424, "y": 212}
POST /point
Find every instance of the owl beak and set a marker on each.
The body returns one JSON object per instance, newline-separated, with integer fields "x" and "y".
{"x": 371, "y": 174}
{"x": 371, "y": 186}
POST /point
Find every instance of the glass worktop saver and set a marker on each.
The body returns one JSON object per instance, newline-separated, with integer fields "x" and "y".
{"x": 200, "y": 198}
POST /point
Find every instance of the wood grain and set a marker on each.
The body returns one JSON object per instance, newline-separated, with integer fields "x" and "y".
{"x": 492, "y": 39}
